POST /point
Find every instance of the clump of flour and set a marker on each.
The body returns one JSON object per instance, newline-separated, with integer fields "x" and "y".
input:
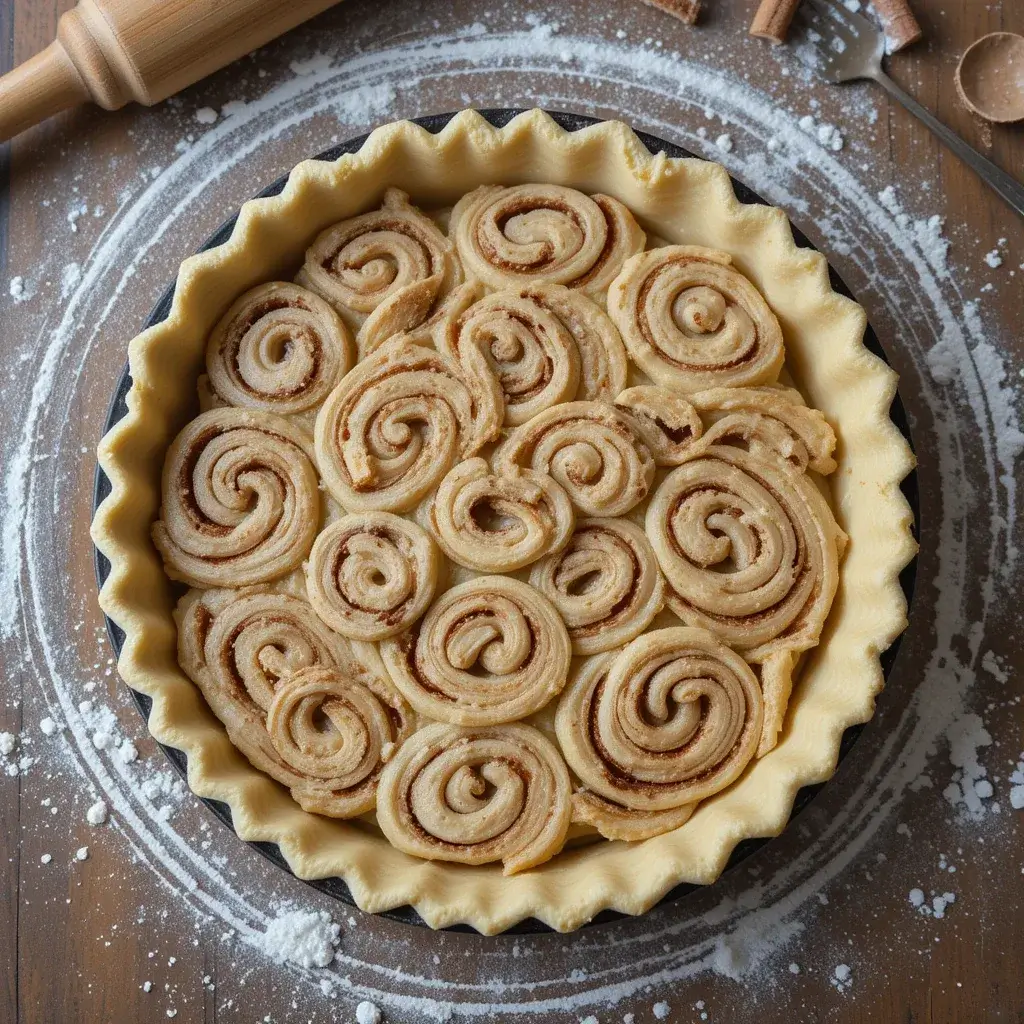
{"x": 301, "y": 937}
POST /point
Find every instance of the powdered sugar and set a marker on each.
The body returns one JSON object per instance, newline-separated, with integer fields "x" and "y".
{"x": 97, "y": 813}
{"x": 301, "y": 937}
{"x": 368, "y": 1013}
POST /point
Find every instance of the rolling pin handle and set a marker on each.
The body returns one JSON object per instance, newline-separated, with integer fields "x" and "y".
{"x": 43, "y": 86}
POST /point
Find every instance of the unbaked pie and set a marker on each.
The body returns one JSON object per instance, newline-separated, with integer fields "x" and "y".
{"x": 512, "y": 523}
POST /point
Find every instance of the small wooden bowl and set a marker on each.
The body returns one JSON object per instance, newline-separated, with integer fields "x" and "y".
{"x": 990, "y": 77}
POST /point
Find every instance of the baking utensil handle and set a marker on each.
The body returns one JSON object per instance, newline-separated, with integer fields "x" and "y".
{"x": 43, "y": 86}
{"x": 1007, "y": 186}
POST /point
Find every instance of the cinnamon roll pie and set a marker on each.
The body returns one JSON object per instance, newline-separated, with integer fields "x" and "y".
{"x": 507, "y": 527}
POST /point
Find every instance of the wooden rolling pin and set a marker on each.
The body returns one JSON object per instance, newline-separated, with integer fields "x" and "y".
{"x": 113, "y": 51}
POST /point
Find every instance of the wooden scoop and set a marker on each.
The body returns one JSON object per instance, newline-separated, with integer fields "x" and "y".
{"x": 113, "y": 51}
{"x": 990, "y": 77}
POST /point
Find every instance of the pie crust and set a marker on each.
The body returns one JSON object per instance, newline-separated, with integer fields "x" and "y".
{"x": 684, "y": 202}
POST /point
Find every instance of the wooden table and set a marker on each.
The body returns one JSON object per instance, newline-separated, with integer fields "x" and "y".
{"x": 96, "y": 212}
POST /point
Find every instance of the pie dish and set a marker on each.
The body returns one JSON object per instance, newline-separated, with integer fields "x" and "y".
{"x": 803, "y": 329}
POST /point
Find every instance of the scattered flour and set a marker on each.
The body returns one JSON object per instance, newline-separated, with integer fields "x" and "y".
{"x": 97, "y": 813}
{"x": 1017, "y": 785}
{"x": 21, "y": 290}
{"x": 842, "y": 978}
{"x": 993, "y": 259}
{"x": 77, "y": 211}
{"x": 206, "y": 115}
{"x": 724, "y": 143}
{"x": 368, "y": 1013}
{"x": 312, "y": 65}
{"x": 302, "y": 937}
{"x": 70, "y": 277}
{"x": 968, "y": 788}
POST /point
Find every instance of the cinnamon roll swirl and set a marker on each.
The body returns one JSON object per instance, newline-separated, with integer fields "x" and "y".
{"x": 475, "y": 796}
{"x": 692, "y": 322}
{"x": 668, "y": 423}
{"x": 396, "y": 423}
{"x": 370, "y": 259}
{"x": 488, "y": 651}
{"x": 336, "y": 734}
{"x": 372, "y": 574}
{"x": 544, "y": 343}
{"x": 293, "y": 698}
{"x": 605, "y": 584}
{"x": 769, "y": 419}
{"x": 279, "y": 348}
{"x": 749, "y": 547}
{"x": 241, "y": 502}
{"x": 499, "y": 523}
{"x": 590, "y": 449}
{"x": 672, "y": 719}
{"x": 509, "y": 236}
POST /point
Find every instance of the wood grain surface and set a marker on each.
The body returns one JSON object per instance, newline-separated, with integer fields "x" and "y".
{"x": 91, "y": 193}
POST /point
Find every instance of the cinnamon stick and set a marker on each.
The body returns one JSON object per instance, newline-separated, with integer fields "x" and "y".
{"x": 772, "y": 19}
{"x": 685, "y": 10}
{"x": 898, "y": 22}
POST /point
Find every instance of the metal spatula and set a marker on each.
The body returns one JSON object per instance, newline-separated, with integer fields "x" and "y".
{"x": 842, "y": 47}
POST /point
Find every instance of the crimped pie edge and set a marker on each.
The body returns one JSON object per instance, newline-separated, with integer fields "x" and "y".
{"x": 683, "y": 200}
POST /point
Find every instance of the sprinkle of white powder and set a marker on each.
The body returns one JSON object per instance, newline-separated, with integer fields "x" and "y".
{"x": 128, "y": 752}
{"x": 1017, "y": 785}
{"x": 842, "y": 978}
{"x": 7, "y": 741}
{"x": 794, "y": 968}
{"x": 206, "y": 115}
{"x": 48, "y": 726}
{"x": 302, "y": 937}
{"x": 830, "y": 137}
{"x": 45, "y": 859}
{"x": 82, "y": 853}
{"x": 79, "y": 209}
{"x": 724, "y": 142}
{"x": 147, "y": 986}
{"x": 940, "y": 903}
{"x": 966, "y": 735}
{"x": 368, "y": 1013}
{"x": 661, "y": 1010}
{"x": 310, "y": 66}
{"x": 916, "y": 897}
{"x": 993, "y": 259}
{"x": 70, "y": 277}
{"x": 97, "y": 813}
{"x": 20, "y": 290}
